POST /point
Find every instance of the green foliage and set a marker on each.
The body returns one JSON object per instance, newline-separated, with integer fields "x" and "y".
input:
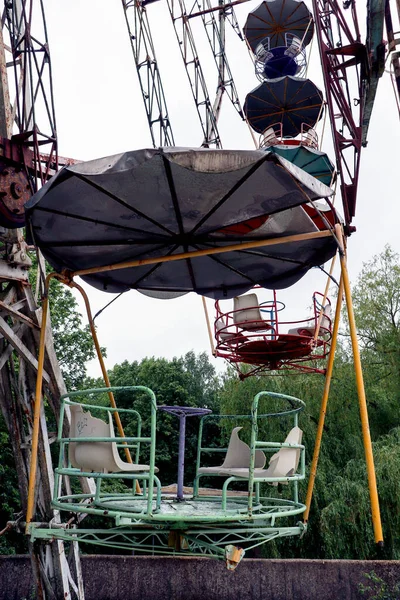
{"x": 378, "y": 589}
{"x": 185, "y": 381}
{"x": 72, "y": 340}
{"x": 376, "y": 299}
{"x": 345, "y": 522}
{"x": 10, "y": 543}
{"x": 340, "y": 519}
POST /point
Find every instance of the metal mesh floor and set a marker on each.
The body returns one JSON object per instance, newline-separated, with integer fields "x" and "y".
{"x": 170, "y": 506}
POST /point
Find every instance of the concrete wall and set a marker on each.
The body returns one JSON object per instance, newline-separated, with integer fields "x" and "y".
{"x": 145, "y": 578}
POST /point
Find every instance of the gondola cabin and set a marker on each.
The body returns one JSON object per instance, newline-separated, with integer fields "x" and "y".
{"x": 258, "y": 334}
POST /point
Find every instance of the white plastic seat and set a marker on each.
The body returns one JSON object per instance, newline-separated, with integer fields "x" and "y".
{"x": 100, "y": 457}
{"x": 237, "y": 456}
{"x": 324, "y": 327}
{"x": 246, "y": 313}
{"x": 224, "y": 334}
{"x": 310, "y": 138}
{"x": 283, "y": 463}
{"x": 326, "y": 318}
{"x": 294, "y": 48}
{"x": 303, "y": 330}
{"x": 269, "y": 138}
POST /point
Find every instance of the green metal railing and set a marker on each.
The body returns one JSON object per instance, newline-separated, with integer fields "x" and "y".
{"x": 295, "y": 406}
{"x": 253, "y": 506}
{"x": 208, "y": 525}
{"x": 130, "y": 442}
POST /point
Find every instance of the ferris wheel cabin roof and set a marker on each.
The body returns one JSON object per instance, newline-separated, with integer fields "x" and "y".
{"x": 292, "y": 101}
{"x": 274, "y": 19}
{"x": 154, "y": 203}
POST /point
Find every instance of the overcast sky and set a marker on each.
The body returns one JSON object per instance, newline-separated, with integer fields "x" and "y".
{"x": 99, "y": 113}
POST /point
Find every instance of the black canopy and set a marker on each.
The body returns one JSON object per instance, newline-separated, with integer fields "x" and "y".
{"x": 274, "y": 19}
{"x": 292, "y": 101}
{"x": 160, "y": 202}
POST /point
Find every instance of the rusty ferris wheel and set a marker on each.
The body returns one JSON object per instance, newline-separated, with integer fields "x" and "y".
{"x": 29, "y": 159}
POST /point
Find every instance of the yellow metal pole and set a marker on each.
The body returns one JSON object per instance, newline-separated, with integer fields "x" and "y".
{"x": 324, "y": 402}
{"x": 369, "y": 457}
{"x": 38, "y": 402}
{"x": 208, "y": 326}
{"x": 103, "y": 369}
{"x": 101, "y": 361}
{"x": 205, "y": 252}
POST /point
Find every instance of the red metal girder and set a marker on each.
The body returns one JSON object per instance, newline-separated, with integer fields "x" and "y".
{"x": 393, "y": 44}
{"x": 345, "y": 68}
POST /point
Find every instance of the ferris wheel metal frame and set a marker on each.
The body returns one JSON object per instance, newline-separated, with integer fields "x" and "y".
{"x": 351, "y": 68}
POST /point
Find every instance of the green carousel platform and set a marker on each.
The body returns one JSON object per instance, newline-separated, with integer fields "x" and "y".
{"x": 141, "y": 515}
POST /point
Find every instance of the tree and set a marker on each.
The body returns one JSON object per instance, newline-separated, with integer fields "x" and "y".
{"x": 376, "y": 299}
{"x": 345, "y": 521}
{"x": 9, "y": 497}
{"x": 74, "y": 347}
{"x": 185, "y": 381}
{"x": 72, "y": 340}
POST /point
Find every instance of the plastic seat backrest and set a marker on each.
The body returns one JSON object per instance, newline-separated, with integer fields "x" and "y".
{"x": 326, "y": 317}
{"x": 269, "y": 137}
{"x": 238, "y": 454}
{"x": 75, "y": 410}
{"x": 247, "y": 313}
{"x": 285, "y": 462}
{"x": 223, "y": 332}
{"x": 325, "y": 325}
{"x": 310, "y": 138}
{"x": 93, "y": 456}
{"x": 294, "y": 48}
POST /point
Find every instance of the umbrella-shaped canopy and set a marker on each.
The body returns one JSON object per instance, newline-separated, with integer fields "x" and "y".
{"x": 275, "y": 19}
{"x": 312, "y": 161}
{"x": 148, "y": 204}
{"x": 291, "y": 101}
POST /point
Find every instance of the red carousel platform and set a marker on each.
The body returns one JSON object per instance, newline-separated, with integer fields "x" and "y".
{"x": 257, "y": 335}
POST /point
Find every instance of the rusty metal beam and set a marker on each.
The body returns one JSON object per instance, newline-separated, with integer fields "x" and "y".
{"x": 148, "y": 73}
{"x": 210, "y": 9}
{"x": 195, "y": 74}
{"x": 216, "y": 35}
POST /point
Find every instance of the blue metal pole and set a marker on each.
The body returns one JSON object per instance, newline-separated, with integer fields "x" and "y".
{"x": 181, "y": 457}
